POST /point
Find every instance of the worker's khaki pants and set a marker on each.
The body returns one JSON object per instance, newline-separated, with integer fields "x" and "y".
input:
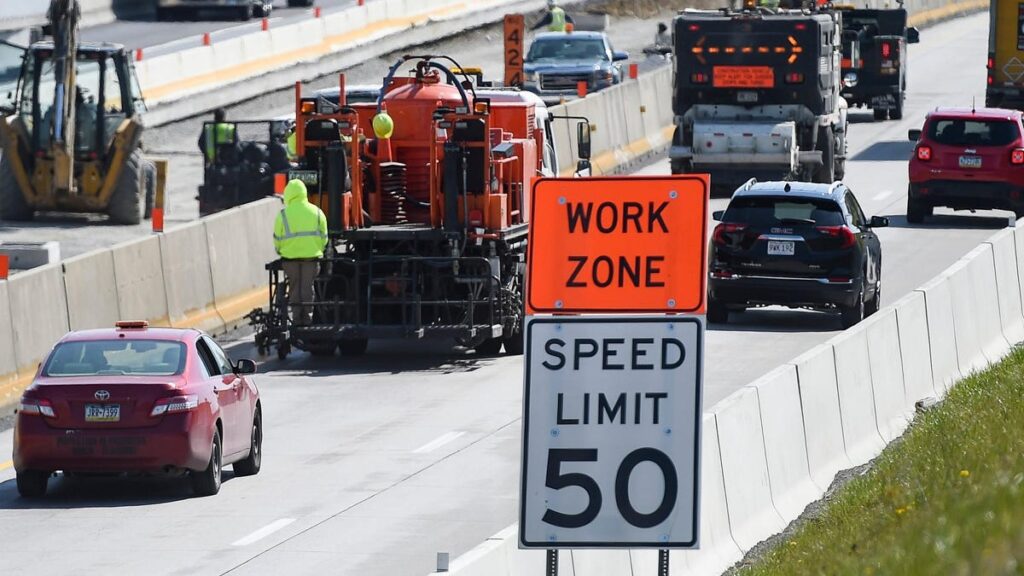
{"x": 300, "y": 275}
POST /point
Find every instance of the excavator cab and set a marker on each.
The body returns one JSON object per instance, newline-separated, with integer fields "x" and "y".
{"x": 70, "y": 130}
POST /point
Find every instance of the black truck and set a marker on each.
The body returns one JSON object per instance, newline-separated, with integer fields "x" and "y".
{"x": 757, "y": 95}
{"x": 875, "y": 59}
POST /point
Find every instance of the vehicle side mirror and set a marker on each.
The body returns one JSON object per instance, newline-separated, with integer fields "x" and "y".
{"x": 913, "y": 35}
{"x": 245, "y": 366}
{"x": 717, "y": 215}
{"x": 583, "y": 168}
{"x": 879, "y": 222}
{"x": 583, "y": 140}
{"x": 620, "y": 55}
{"x": 914, "y": 135}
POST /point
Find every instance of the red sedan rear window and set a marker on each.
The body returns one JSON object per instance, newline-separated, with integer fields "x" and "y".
{"x": 958, "y": 132}
{"x": 120, "y": 357}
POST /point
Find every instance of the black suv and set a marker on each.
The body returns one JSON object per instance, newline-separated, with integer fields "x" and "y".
{"x": 795, "y": 244}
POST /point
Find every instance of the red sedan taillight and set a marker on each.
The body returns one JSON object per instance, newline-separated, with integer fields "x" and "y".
{"x": 844, "y": 234}
{"x": 36, "y": 408}
{"x": 174, "y": 404}
{"x": 924, "y": 153}
{"x": 1017, "y": 156}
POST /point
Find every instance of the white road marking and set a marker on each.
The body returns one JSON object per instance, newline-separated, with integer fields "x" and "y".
{"x": 438, "y": 442}
{"x": 883, "y": 195}
{"x": 264, "y": 532}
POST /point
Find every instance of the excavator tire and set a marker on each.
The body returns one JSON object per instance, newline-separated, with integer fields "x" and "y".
{"x": 126, "y": 203}
{"x": 12, "y": 201}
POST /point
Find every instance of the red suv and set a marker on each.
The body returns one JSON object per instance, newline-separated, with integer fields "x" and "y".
{"x": 966, "y": 160}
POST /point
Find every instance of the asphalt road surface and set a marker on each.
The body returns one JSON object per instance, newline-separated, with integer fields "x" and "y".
{"x": 373, "y": 465}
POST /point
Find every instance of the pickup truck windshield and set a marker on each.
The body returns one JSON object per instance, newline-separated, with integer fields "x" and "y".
{"x": 554, "y": 49}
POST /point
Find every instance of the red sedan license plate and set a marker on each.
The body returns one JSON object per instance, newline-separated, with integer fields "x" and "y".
{"x": 102, "y": 412}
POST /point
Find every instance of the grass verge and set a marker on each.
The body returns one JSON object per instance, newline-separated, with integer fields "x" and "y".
{"x": 947, "y": 499}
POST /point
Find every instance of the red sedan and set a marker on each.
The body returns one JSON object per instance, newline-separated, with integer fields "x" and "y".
{"x": 142, "y": 400}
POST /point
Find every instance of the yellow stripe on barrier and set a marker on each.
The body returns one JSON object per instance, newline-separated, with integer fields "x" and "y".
{"x": 608, "y": 162}
{"x": 6, "y": 465}
{"x": 945, "y": 12}
{"x": 316, "y": 51}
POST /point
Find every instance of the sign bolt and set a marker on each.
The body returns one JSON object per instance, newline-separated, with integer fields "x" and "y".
{"x": 673, "y": 194}
{"x": 671, "y": 302}
{"x": 561, "y": 199}
{"x": 668, "y": 431}
{"x": 558, "y": 304}
{"x": 554, "y": 432}
{"x": 664, "y": 538}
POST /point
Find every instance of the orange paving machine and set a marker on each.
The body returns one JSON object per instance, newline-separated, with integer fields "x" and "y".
{"x": 425, "y": 192}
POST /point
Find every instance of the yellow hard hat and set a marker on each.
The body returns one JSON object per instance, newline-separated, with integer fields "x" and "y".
{"x": 383, "y": 126}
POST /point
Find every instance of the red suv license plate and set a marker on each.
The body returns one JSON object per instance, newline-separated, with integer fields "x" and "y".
{"x": 970, "y": 161}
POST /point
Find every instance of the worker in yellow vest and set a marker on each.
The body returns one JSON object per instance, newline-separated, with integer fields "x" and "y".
{"x": 219, "y": 133}
{"x": 555, "y": 19}
{"x": 300, "y": 236}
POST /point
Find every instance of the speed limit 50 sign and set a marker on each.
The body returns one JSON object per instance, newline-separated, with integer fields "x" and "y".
{"x": 611, "y": 439}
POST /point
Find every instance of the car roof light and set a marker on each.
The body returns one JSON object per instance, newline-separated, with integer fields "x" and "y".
{"x": 132, "y": 325}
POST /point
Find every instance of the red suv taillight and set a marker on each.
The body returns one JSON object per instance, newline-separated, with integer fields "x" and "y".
{"x": 924, "y": 153}
{"x": 36, "y": 408}
{"x": 175, "y": 404}
{"x": 718, "y": 237}
{"x": 1017, "y": 156}
{"x": 844, "y": 234}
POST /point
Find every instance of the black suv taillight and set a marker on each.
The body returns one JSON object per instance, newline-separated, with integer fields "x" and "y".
{"x": 719, "y": 236}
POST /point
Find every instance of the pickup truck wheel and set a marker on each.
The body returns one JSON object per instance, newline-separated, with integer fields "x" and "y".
{"x": 880, "y": 113}
{"x": 717, "y": 312}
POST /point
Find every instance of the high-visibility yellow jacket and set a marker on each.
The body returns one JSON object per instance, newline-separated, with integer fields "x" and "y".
{"x": 557, "y": 20}
{"x": 216, "y": 134}
{"x": 300, "y": 230}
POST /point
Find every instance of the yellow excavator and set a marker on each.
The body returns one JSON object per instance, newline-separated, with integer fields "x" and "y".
{"x": 70, "y": 130}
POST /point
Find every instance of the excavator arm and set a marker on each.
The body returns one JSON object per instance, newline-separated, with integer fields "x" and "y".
{"x": 64, "y": 16}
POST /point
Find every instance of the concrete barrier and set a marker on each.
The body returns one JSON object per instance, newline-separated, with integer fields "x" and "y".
{"x": 943, "y": 340}
{"x": 752, "y": 513}
{"x": 912, "y": 322}
{"x": 785, "y": 444}
{"x": 856, "y": 398}
{"x": 1004, "y": 254}
{"x": 39, "y": 314}
{"x": 893, "y": 412}
{"x": 982, "y": 271}
{"x": 718, "y": 549}
{"x": 8, "y": 360}
{"x": 187, "y": 278}
{"x": 140, "y": 281}
{"x": 822, "y": 417}
{"x": 91, "y": 288}
{"x": 969, "y": 352}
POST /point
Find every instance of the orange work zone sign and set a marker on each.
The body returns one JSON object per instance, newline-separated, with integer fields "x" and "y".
{"x": 620, "y": 244}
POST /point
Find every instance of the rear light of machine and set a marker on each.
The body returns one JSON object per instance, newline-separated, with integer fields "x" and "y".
{"x": 718, "y": 237}
{"x": 722, "y": 274}
{"x": 174, "y": 404}
{"x": 794, "y": 78}
{"x": 924, "y": 153}
{"x": 886, "y": 49}
{"x": 476, "y": 217}
{"x": 990, "y": 64}
{"x": 694, "y": 28}
{"x": 1017, "y": 156}
{"x": 36, "y": 408}
{"x": 842, "y": 233}
{"x": 801, "y": 26}
{"x": 699, "y": 78}
{"x": 839, "y": 279}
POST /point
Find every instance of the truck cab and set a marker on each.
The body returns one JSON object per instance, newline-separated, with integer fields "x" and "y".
{"x": 757, "y": 96}
{"x": 874, "y": 65}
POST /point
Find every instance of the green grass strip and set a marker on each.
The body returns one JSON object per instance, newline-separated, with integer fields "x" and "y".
{"x": 947, "y": 499}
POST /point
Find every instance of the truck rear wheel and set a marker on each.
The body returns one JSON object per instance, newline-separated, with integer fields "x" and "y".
{"x": 126, "y": 203}
{"x": 896, "y": 112}
{"x": 825, "y": 174}
{"x": 12, "y": 202}
{"x": 880, "y": 113}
